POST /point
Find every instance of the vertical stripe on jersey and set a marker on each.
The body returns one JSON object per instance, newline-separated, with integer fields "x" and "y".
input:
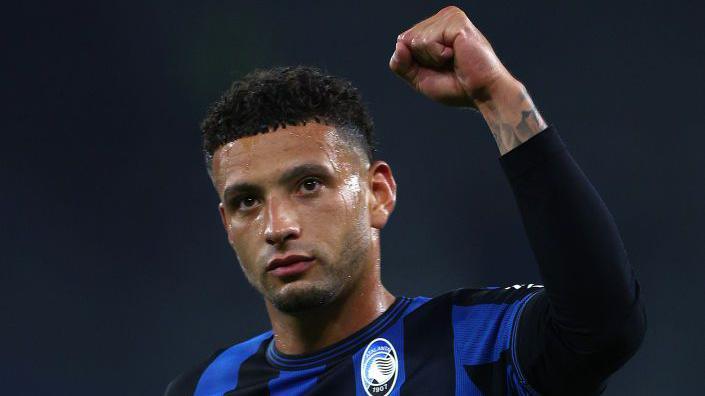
{"x": 357, "y": 363}
{"x": 481, "y": 333}
{"x": 222, "y": 374}
{"x": 254, "y": 374}
{"x": 483, "y": 326}
{"x": 292, "y": 383}
{"x": 338, "y": 379}
{"x": 428, "y": 349}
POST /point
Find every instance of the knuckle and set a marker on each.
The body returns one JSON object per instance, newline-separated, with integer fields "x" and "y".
{"x": 406, "y": 35}
{"x": 451, "y": 8}
{"x": 456, "y": 12}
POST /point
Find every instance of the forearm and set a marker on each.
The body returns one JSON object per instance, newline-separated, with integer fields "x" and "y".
{"x": 510, "y": 113}
{"x": 572, "y": 233}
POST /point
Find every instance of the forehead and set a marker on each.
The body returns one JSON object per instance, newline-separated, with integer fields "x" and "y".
{"x": 262, "y": 157}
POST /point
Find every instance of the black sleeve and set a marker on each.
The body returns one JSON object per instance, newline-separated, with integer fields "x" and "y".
{"x": 589, "y": 320}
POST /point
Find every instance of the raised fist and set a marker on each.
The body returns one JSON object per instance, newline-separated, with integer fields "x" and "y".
{"x": 447, "y": 59}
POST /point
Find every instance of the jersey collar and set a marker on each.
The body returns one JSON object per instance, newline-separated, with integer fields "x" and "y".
{"x": 341, "y": 348}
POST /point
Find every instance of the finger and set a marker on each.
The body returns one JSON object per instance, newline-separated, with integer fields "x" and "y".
{"x": 424, "y": 25}
{"x": 402, "y": 63}
{"x": 409, "y": 33}
{"x": 426, "y": 40}
{"x": 447, "y": 53}
{"x": 415, "y": 30}
{"x": 429, "y": 52}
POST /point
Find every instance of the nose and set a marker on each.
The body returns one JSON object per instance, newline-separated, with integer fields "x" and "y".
{"x": 281, "y": 223}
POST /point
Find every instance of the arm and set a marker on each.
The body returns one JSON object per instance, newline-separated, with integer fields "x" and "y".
{"x": 589, "y": 320}
{"x": 510, "y": 114}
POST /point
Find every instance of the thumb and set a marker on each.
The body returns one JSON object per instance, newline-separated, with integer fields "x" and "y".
{"x": 402, "y": 63}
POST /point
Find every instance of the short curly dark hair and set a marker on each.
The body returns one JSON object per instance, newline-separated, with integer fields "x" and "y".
{"x": 264, "y": 100}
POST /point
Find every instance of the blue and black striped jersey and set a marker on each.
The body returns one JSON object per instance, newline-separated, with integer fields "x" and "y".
{"x": 564, "y": 339}
{"x": 459, "y": 343}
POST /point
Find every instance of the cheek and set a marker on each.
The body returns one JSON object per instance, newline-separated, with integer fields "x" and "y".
{"x": 243, "y": 241}
{"x": 351, "y": 190}
{"x": 344, "y": 211}
{"x": 353, "y": 197}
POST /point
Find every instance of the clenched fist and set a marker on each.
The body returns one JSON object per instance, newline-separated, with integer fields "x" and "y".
{"x": 447, "y": 59}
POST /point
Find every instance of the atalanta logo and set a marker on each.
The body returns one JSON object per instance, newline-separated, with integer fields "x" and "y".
{"x": 379, "y": 367}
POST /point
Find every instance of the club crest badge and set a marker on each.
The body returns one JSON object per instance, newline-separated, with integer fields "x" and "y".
{"x": 379, "y": 367}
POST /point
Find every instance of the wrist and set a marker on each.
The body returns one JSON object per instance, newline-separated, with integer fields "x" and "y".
{"x": 510, "y": 113}
{"x": 502, "y": 93}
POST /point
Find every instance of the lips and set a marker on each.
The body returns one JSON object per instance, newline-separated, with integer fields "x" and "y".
{"x": 280, "y": 264}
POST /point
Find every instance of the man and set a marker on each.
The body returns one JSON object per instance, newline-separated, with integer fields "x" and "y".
{"x": 303, "y": 202}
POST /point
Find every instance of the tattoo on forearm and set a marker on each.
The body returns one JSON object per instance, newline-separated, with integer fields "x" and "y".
{"x": 528, "y": 122}
{"x": 507, "y": 133}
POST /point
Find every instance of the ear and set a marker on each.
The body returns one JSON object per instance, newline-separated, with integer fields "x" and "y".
{"x": 383, "y": 193}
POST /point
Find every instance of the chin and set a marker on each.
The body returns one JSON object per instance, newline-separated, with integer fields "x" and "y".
{"x": 303, "y": 296}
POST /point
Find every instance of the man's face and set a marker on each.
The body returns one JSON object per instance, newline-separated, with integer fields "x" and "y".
{"x": 294, "y": 203}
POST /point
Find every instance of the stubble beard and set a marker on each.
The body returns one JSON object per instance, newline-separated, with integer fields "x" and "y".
{"x": 336, "y": 279}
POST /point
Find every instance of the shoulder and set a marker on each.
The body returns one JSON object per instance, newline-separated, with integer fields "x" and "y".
{"x": 467, "y": 297}
{"x": 493, "y": 295}
{"x": 219, "y": 363}
{"x": 481, "y": 311}
{"x": 478, "y": 327}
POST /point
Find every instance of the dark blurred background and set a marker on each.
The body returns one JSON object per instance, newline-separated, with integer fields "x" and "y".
{"x": 115, "y": 271}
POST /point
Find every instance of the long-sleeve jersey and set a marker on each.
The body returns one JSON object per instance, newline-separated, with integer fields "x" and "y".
{"x": 565, "y": 337}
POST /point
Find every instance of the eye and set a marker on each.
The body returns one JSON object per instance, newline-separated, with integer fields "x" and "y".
{"x": 244, "y": 203}
{"x": 310, "y": 185}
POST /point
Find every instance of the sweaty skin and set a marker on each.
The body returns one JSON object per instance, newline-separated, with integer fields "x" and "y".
{"x": 335, "y": 213}
{"x": 331, "y": 209}
{"x": 309, "y": 191}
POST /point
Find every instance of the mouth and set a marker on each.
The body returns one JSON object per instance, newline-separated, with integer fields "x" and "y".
{"x": 290, "y": 265}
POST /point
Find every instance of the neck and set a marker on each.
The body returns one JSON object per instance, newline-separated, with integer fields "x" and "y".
{"x": 318, "y": 328}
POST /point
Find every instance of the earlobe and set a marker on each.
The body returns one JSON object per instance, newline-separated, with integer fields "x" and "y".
{"x": 383, "y": 195}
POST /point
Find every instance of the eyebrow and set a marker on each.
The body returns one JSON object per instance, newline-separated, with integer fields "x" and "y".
{"x": 289, "y": 175}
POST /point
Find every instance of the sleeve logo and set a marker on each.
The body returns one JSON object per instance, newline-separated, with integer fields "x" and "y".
{"x": 529, "y": 286}
{"x": 378, "y": 369}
